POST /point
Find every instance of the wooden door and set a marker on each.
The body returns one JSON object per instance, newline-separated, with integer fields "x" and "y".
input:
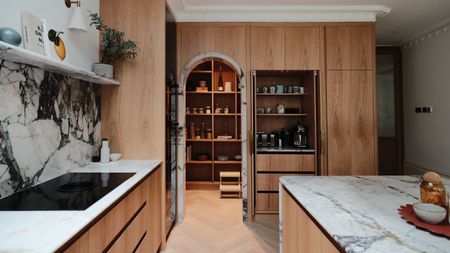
{"x": 267, "y": 48}
{"x": 350, "y": 122}
{"x": 302, "y": 48}
{"x": 350, "y": 47}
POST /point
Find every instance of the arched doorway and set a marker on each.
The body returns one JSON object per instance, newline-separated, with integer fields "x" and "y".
{"x": 181, "y": 150}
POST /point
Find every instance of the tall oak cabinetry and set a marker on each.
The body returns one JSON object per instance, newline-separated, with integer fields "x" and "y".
{"x": 342, "y": 55}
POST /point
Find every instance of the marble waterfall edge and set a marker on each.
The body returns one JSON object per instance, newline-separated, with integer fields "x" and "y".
{"x": 49, "y": 123}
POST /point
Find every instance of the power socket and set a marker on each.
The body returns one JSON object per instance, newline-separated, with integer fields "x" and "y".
{"x": 418, "y": 110}
{"x": 427, "y": 109}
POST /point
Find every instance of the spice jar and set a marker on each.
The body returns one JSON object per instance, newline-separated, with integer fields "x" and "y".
{"x": 203, "y": 131}
{"x": 200, "y": 110}
{"x": 218, "y": 109}
{"x": 432, "y": 191}
{"x": 208, "y": 109}
{"x": 226, "y": 109}
{"x": 192, "y": 130}
{"x": 197, "y": 133}
{"x": 209, "y": 133}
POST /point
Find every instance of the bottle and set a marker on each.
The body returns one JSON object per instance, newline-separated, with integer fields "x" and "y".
{"x": 220, "y": 82}
{"x": 104, "y": 152}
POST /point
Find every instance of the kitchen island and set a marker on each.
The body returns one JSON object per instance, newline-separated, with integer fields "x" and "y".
{"x": 58, "y": 231}
{"x": 352, "y": 214}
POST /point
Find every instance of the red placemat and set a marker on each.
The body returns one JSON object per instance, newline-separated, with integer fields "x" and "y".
{"x": 407, "y": 213}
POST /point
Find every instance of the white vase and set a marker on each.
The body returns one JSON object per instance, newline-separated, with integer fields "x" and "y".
{"x": 105, "y": 70}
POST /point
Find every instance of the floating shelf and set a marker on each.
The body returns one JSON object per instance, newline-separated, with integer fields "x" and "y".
{"x": 20, "y": 55}
{"x": 227, "y": 114}
{"x": 198, "y": 92}
{"x": 227, "y": 162}
{"x": 199, "y": 140}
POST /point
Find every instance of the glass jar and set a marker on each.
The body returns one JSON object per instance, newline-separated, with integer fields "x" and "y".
{"x": 197, "y": 133}
{"x": 226, "y": 109}
{"x": 209, "y": 133}
{"x": 432, "y": 191}
{"x": 208, "y": 109}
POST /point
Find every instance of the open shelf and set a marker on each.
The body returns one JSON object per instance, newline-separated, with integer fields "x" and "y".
{"x": 21, "y": 55}
{"x": 198, "y": 174}
{"x": 281, "y": 94}
{"x": 227, "y": 162}
{"x": 283, "y": 114}
{"x": 198, "y": 162}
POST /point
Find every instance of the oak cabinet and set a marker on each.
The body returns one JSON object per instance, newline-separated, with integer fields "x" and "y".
{"x": 132, "y": 225}
{"x": 283, "y": 162}
{"x": 302, "y": 48}
{"x": 351, "y": 134}
{"x": 267, "y": 48}
{"x": 285, "y": 48}
{"x": 350, "y": 47}
{"x": 299, "y": 233}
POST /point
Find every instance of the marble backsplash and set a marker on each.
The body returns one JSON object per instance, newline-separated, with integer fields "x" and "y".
{"x": 49, "y": 123}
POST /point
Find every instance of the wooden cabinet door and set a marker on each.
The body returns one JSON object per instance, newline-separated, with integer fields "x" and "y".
{"x": 289, "y": 224}
{"x": 350, "y": 47}
{"x": 351, "y": 135}
{"x": 302, "y": 48}
{"x": 267, "y": 49}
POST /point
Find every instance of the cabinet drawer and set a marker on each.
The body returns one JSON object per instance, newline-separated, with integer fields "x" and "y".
{"x": 267, "y": 202}
{"x": 277, "y": 162}
{"x": 130, "y": 239}
{"x": 270, "y": 182}
{"x": 106, "y": 229}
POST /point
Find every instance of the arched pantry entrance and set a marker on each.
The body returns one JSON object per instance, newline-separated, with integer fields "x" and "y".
{"x": 222, "y": 141}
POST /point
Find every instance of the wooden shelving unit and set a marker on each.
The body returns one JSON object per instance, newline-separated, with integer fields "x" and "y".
{"x": 271, "y": 165}
{"x": 206, "y": 174}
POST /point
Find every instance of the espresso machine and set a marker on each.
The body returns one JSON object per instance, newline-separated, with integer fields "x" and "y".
{"x": 300, "y": 133}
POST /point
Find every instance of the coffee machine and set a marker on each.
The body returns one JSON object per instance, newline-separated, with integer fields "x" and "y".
{"x": 300, "y": 133}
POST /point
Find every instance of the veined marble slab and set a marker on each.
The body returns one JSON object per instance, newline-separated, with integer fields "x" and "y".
{"x": 46, "y": 231}
{"x": 360, "y": 213}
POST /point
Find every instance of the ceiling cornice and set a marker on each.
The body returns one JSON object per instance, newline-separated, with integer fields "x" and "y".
{"x": 275, "y": 13}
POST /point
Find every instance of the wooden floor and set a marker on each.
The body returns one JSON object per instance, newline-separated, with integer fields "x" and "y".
{"x": 214, "y": 225}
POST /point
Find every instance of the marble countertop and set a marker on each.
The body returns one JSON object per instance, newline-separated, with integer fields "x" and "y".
{"x": 46, "y": 231}
{"x": 360, "y": 213}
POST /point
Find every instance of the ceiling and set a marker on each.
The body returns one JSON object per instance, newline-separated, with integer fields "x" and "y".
{"x": 396, "y": 20}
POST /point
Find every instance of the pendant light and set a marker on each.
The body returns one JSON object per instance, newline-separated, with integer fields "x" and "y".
{"x": 77, "y": 22}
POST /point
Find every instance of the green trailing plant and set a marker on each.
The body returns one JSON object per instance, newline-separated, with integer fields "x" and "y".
{"x": 113, "y": 46}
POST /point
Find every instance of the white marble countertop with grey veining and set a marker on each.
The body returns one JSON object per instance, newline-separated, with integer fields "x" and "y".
{"x": 360, "y": 213}
{"x": 46, "y": 231}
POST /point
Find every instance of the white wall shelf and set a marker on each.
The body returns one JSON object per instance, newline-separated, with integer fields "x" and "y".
{"x": 20, "y": 55}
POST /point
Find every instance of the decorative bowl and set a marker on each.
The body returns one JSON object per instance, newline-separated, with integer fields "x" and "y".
{"x": 115, "y": 156}
{"x": 430, "y": 213}
{"x": 222, "y": 157}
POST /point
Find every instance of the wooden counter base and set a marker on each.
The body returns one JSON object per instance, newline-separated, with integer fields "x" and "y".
{"x": 299, "y": 232}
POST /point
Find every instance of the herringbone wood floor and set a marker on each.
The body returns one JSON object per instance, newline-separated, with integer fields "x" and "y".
{"x": 214, "y": 225}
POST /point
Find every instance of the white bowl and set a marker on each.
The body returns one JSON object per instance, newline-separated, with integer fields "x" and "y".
{"x": 430, "y": 213}
{"x": 115, "y": 157}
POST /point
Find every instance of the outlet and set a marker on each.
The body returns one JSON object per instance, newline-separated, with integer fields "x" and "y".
{"x": 418, "y": 109}
{"x": 427, "y": 109}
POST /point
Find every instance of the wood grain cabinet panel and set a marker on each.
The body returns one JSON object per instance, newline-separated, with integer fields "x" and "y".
{"x": 299, "y": 233}
{"x": 131, "y": 237}
{"x": 350, "y": 121}
{"x": 350, "y": 47}
{"x": 81, "y": 245}
{"x": 277, "y": 162}
{"x": 270, "y": 182}
{"x": 302, "y": 48}
{"x": 267, "y": 48}
{"x": 267, "y": 202}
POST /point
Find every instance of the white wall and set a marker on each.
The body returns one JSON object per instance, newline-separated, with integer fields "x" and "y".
{"x": 81, "y": 47}
{"x": 426, "y": 73}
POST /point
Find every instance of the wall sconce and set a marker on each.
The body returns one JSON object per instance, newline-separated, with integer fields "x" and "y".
{"x": 77, "y": 22}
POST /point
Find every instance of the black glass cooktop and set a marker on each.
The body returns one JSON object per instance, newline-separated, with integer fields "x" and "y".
{"x": 71, "y": 191}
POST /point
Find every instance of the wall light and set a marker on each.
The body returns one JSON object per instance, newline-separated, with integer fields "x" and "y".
{"x": 77, "y": 22}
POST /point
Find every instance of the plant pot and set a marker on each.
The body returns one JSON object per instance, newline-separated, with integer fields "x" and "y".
{"x": 105, "y": 70}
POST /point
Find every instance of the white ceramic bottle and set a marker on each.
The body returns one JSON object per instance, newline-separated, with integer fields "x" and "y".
{"x": 104, "y": 152}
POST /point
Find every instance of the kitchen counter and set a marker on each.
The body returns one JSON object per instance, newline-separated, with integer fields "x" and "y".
{"x": 360, "y": 213}
{"x": 46, "y": 231}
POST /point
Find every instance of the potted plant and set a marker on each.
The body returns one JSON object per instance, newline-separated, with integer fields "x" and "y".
{"x": 113, "y": 47}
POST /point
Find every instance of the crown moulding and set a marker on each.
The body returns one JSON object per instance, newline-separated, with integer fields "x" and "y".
{"x": 276, "y": 13}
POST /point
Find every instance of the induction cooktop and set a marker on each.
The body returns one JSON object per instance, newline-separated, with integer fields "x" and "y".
{"x": 71, "y": 191}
